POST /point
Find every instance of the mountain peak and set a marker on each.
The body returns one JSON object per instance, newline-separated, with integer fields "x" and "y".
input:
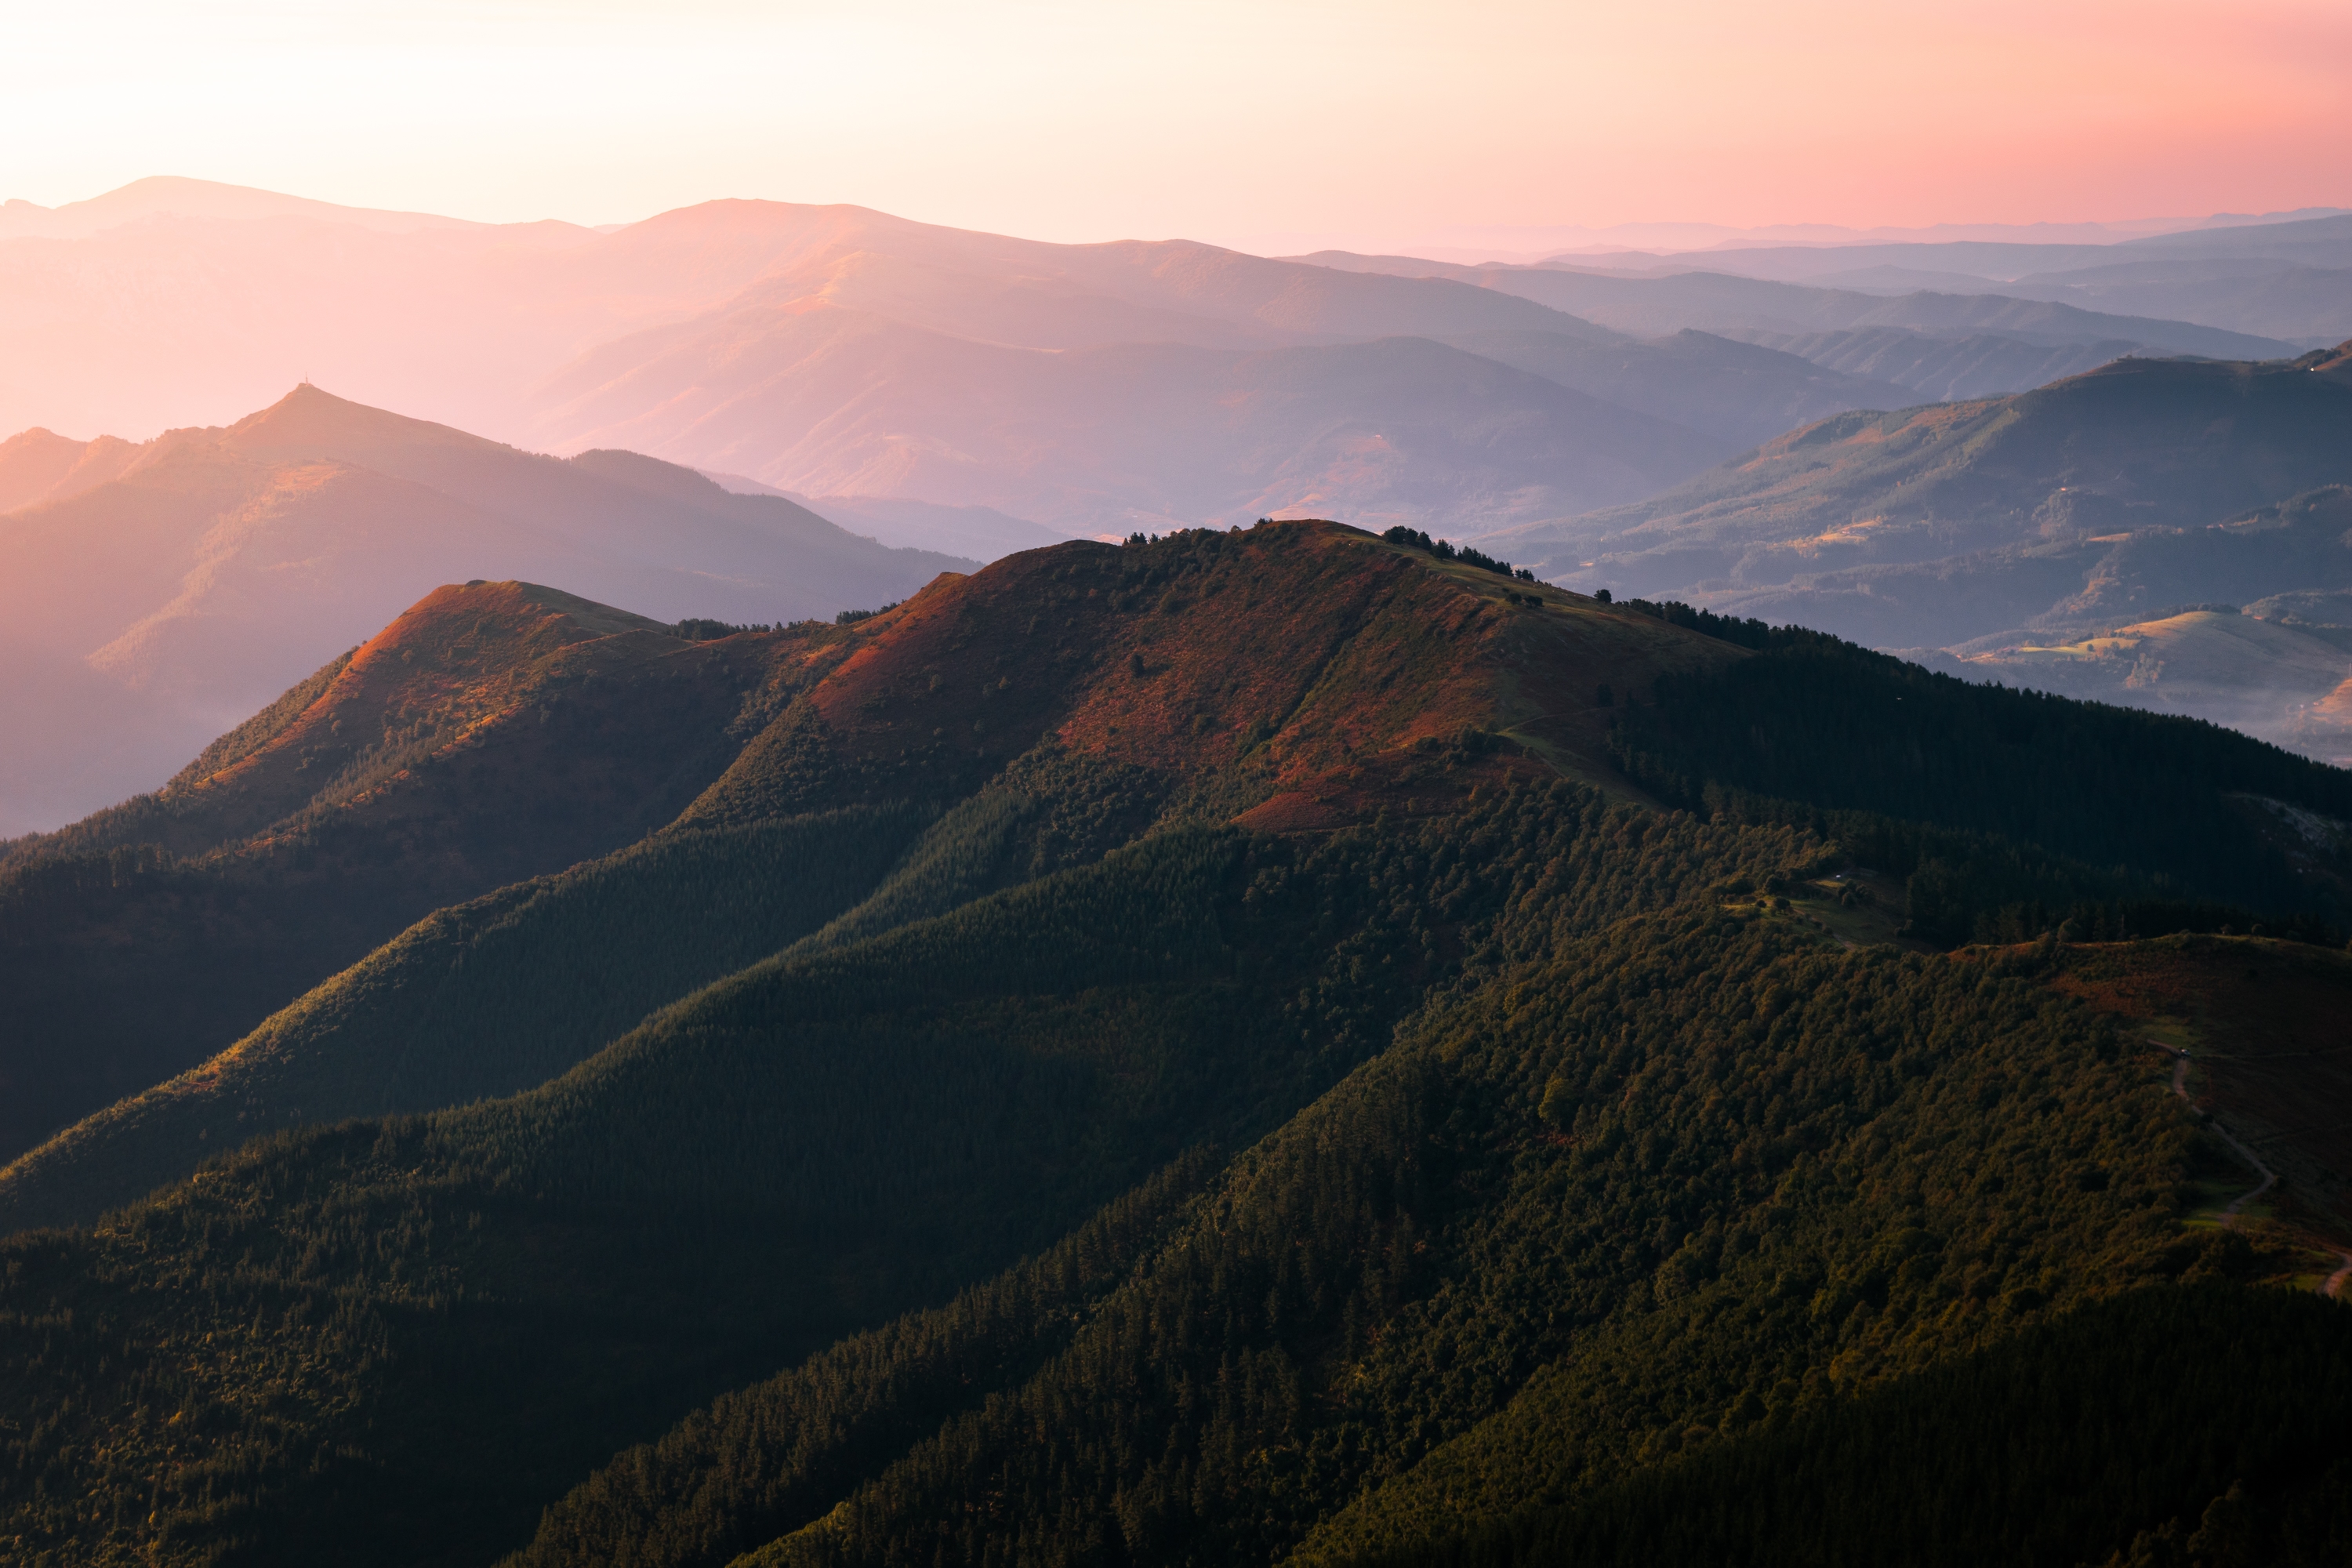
{"x": 311, "y": 422}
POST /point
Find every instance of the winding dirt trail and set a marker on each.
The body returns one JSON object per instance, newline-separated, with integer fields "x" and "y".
{"x": 2336, "y": 1282}
{"x": 2270, "y": 1178}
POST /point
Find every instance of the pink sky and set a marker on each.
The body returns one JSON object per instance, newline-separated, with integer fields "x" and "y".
{"x": 1266, "y": 125}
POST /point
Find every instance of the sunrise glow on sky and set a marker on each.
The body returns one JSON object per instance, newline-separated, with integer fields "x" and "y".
{"x": 1367, "y": 123}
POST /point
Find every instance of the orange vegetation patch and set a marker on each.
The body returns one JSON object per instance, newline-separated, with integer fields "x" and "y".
{"x": 1344, "y": 675}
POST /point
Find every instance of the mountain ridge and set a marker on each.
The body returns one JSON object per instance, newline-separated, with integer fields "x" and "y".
{"x": 1589, "y": 985}
{"x": 203, "y": 572}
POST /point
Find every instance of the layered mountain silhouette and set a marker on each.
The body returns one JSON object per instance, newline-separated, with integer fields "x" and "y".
{"x": 1402, "y": 430}
{"x": 1937, "y": 335}
{"x": 2290, "y": 279}
{"x": 678, "y": 1018}
{"x": 173, "y": 586}
{"x": 833, "y": 350}
{"x": 1282, "y": 1044}
{"x": 1651, "y": 306}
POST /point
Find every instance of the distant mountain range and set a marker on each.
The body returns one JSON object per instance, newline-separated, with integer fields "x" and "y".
{"x": 1919, "y": 326}
{"x": 1084, "y": 388}
{"x": 969, "y": 395}
{"x": 155, "y": 593}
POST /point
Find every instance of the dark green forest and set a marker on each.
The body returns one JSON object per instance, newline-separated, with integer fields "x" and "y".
{"x": 2199, "y": 1425}
{"x": 920, "y": 1149}
{"x": 820, "y": 1140}
{"x": 490, "y": 997}
{"x": 1988, "y": 799}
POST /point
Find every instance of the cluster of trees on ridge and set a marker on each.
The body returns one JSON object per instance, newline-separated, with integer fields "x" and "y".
{"x": 1444, "y": 550}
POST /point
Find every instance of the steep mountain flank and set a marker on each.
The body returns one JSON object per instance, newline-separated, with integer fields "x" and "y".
{"x": 495, "y": 731}
{"x": 500, "y": 732}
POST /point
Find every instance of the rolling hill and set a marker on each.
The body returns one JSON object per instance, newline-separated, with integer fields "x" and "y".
{"x": 1277, "y": 1044}
{"x": 192, "y": 578}
{"x": 2139, "y": 445}
{"x": 1971, "y": 534}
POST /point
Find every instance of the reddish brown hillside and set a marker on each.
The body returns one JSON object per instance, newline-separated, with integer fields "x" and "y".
{"x": 1308, "y": 672}
{"x": 1296, "y": 677}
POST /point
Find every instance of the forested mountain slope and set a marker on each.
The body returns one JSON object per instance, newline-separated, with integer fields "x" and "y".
{"x": 495, "y": 731}
{"x": 2031, "y": 797}
{"x": 861, "y": 1130}
{"x": 1141, "y": 671}
{"x": 1291, "y": 1089}
{"x": 2183, "y": 1426}
{"x": 1651, "y": 1199}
